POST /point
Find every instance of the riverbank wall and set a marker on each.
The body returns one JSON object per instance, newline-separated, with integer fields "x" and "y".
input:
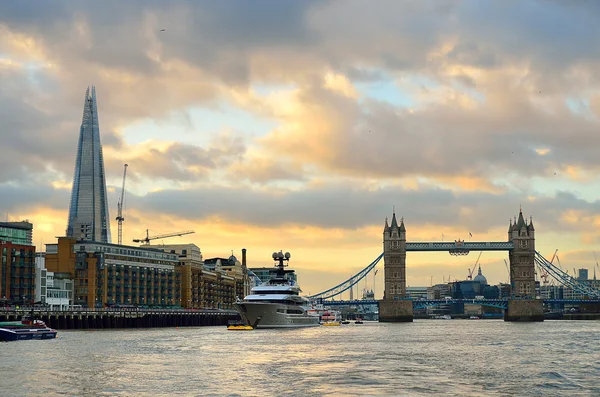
{"x": 103, "y": 319}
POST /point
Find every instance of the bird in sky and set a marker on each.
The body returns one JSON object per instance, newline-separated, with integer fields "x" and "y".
{"x": 162, "y": 30}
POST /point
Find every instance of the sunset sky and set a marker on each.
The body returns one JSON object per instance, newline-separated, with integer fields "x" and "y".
{"x": 299, "y": 125}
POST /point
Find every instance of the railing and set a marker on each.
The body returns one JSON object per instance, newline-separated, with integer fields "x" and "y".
{"x": 564, "y": 278}
{"x": 460, "y": 245}
{"x": 24, "y": 309}
{"x": 346, "y": 285}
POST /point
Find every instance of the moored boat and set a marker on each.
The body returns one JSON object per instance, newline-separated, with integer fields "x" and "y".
{"x": 27, "y": 328}
{"x": 277, "y": 303}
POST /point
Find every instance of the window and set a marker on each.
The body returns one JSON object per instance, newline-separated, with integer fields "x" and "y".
{"x": 523, "y": 243}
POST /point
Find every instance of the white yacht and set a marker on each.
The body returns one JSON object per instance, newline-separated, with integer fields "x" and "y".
{"x": 277, "y": 303}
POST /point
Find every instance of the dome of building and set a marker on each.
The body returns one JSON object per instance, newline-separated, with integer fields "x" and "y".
{"x": 232, "y": 259}
{"x": 480, "y": 278}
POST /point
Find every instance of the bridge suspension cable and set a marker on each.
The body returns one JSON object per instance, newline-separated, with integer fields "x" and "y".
{"x": 564, "y": 278}
{"x": 346, "y": 285}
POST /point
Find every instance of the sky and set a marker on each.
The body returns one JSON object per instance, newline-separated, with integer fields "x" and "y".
{"x": 300, "y": 126}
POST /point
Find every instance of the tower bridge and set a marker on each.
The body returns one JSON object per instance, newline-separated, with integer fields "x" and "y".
{"x": 396, "y": 306}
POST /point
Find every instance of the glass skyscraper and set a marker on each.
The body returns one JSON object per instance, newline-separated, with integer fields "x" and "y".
{"x": 88, "y": 210}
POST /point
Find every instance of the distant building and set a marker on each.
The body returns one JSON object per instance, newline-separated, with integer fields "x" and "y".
{"x": 17, "y": 272}
{"x": 88, "y": 210}
{"x": 17, "y": 232}
{"x": 416, "y": 292}
{"x": 582, "y": 274}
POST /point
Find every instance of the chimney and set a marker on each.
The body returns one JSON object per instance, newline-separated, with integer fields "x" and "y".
{"x": 243, "y": 257}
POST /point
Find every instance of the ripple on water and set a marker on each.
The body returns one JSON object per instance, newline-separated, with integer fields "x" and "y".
{"x": 450, "y": 358}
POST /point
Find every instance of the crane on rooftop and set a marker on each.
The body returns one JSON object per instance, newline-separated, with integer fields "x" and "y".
{"x": 120, "y": 217}
{"x": 146, "y": 240}
{"x": 470, "y": 276}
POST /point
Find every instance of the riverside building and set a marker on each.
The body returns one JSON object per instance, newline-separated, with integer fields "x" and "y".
{"x": 17, "y": 263}
{"x": 116, "y": 275}
{"x": 211, "y": 283}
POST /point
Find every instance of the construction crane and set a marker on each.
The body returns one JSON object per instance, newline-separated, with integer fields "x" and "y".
{"x": 120, "y": 218}
{"x": 544, "y": 273}
{"x": 598, "y": 266}
{"x": 147, "y": 239}
{"x": 470, "y": 276}
{"x": 507, "y": 270}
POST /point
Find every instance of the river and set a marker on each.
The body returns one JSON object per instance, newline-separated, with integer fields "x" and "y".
{"x": 427, "y": 357}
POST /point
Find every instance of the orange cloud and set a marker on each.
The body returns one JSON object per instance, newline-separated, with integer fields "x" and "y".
{"x": 467, "y": 183}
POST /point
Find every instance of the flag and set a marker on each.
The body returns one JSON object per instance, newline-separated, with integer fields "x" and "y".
{"x": 470, "y": 234}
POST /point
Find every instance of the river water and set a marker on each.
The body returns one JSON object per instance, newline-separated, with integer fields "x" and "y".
{"x": 427, "y": 357}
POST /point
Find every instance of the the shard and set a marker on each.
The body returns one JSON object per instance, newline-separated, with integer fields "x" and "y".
{"x": 88, "y": 210}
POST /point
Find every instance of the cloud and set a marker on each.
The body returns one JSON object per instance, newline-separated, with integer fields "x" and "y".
{"x": 455, "y": 112}
{"x": 372, "y": 138}
{"x": 344, "y": 206}
{"x": 176, "y": 161}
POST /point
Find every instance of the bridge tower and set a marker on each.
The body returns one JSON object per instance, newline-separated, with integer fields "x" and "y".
{"x": 395, "y": 307}
{"x": 523, "y": 306}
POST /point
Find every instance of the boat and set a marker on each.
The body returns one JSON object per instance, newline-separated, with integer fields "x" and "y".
{"x": 240, "y": 328}
{"x": 331, "y": 324}
{"x": 345, "y": 322}
{"x": 27, "y": 328}
{"x": 277, "y": 303}
{"x": 474, "y": 318}
{"x": 324, "y": 315}
{"x": 358, "y": 320}
{"x": 237, "y": 325}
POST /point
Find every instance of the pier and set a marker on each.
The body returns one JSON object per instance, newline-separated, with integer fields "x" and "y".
{"x": 123, "y": 318}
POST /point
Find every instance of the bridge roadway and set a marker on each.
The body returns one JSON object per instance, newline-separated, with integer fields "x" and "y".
{"x": 460, "y": 245}
{"x": 422, "y": 303}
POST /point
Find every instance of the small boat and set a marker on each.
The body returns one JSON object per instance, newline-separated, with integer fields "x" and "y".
{"x": 240, "y": 328}
{"x": 27, "y": 328}
{"x": 473, "y": 318}
{"x": 331, "y": 324}
{"x": 358, "y": 321}
{"x": 345, "y": 322}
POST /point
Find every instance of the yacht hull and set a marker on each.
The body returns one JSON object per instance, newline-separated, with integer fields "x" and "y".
{"x": 274, "y": 315}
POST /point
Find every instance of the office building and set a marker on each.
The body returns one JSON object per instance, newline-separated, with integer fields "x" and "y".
{"x": 88, "y": 209}
{"x": 17, "y": 232}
